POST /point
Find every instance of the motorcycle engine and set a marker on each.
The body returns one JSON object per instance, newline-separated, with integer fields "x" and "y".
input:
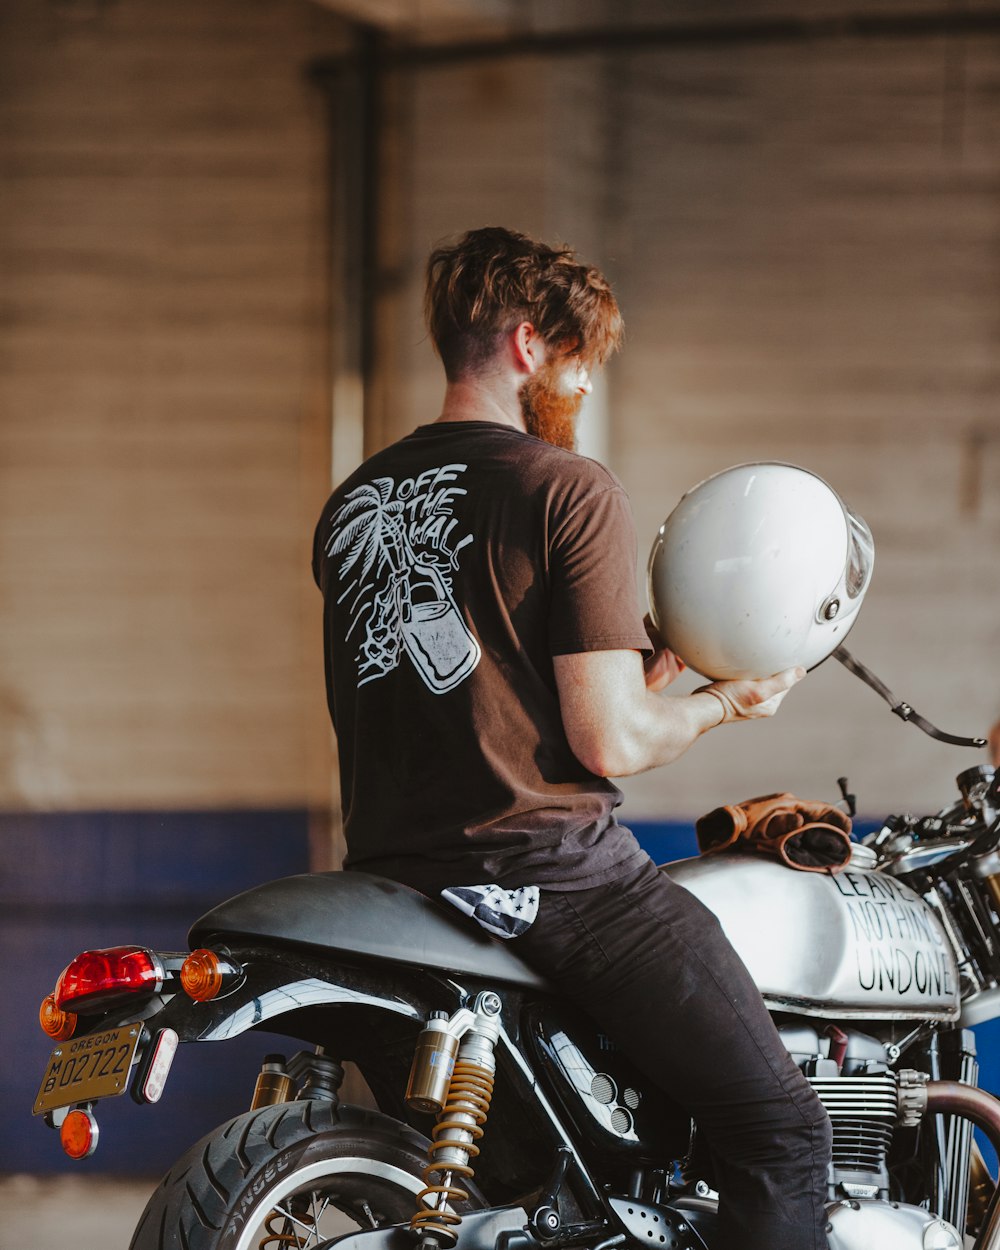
{"x": 851, "y": 1074}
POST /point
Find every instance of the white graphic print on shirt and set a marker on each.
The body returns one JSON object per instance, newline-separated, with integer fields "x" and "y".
{"x": 398, "y": 547}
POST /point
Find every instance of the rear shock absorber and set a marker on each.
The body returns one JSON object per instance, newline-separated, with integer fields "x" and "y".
{"x": 452, "y": 1074}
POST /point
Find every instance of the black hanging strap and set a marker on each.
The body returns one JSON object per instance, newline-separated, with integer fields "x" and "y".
{"x": 899, "y": 707}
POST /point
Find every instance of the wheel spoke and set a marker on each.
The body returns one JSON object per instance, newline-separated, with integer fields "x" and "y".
{"x": 308, "y": 1229}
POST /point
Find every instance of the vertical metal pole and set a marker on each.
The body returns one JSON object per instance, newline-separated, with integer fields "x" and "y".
{"x": 369, "y": 129}
{"x": 352, "y": 86}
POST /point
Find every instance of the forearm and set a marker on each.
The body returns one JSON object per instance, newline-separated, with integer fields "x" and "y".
{"x": 617, "y": 727}
{"x": 661, "y": 729}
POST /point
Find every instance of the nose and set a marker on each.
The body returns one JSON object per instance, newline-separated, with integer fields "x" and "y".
{"x": 583, "y": 383}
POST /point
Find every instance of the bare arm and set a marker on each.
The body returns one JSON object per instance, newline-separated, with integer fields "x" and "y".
{"x": 616, "y": 726}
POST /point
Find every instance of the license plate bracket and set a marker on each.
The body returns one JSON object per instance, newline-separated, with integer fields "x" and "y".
{"x": 85, "y": 1069}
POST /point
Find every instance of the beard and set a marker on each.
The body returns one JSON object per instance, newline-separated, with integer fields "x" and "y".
{"x": 549, "y": 410}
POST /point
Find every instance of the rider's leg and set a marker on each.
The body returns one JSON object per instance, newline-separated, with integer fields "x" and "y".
{"x": 651, "y": 964}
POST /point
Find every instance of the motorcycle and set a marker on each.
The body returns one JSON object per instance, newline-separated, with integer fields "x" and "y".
{"x": 503, "y": 1118}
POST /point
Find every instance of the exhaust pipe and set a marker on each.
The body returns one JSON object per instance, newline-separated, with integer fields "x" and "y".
{"x": 970, "y": 1103}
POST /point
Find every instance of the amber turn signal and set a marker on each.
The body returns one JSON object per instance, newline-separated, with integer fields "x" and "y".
{"x": 57, "y": 1023}
{"x": 78, "y": 1133}
{"x": 203, "y": 974}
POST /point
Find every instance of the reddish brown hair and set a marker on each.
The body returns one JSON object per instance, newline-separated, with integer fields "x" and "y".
{"x": 481, "y": 287}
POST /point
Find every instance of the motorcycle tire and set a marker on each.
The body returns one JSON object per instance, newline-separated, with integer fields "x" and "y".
{"x": 287, "y": 1176}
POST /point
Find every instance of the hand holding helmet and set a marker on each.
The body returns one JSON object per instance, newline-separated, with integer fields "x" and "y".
{"x": 752, "y": 698}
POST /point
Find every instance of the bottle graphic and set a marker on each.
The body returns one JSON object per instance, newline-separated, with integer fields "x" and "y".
{"x": 434, "y": 634}
{"x": 403, "y": 596}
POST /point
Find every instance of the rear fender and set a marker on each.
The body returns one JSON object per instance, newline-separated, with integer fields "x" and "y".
{"x": 304, "y": 999}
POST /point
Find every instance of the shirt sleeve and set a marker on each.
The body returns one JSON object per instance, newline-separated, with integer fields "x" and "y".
{"x": 592, "y": 560}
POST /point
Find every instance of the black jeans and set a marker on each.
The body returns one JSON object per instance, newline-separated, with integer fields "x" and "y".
{"x": 650, "y": 963}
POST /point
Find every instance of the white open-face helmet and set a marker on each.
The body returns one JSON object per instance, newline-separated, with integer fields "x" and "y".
{"x": 757, "y": 569}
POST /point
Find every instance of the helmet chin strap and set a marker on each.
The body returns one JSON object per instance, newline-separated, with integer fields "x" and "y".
{"x": 899, "y": 707}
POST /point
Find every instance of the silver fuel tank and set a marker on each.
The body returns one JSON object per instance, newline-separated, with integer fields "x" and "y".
{"x": 853, "y": 945}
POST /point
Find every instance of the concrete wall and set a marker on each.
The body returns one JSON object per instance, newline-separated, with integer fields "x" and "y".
{"x": 164, "y": 436}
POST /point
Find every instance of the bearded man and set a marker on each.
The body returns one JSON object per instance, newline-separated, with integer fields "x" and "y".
{"x": 486, "y": 676}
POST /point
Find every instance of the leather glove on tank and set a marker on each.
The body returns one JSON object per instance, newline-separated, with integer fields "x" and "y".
{"x": 812, "y": 837}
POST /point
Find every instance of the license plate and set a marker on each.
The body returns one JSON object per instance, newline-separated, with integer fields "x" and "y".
{"x": 87, "y": 1068}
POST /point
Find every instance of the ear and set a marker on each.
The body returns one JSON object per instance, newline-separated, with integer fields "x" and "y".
{"x": 528, "y": 347}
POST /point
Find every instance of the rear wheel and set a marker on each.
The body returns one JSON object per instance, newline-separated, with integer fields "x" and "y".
{"x": 287, "y": 1177}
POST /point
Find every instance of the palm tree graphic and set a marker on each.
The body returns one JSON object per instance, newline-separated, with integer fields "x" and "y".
{"x": 403, "y": 599}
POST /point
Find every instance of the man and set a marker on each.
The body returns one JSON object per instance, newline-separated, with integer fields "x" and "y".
{"x": 485, "y": 675}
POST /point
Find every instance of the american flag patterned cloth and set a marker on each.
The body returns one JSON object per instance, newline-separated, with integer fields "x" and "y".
{"x": 504, "y": 913}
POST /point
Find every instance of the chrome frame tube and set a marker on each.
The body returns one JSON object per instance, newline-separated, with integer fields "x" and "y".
{"x": 958, "y": 1158}
{"x": 954, "y": 1098}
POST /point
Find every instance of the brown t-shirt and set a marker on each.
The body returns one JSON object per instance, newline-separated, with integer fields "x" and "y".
{"x": 454, "y": 565}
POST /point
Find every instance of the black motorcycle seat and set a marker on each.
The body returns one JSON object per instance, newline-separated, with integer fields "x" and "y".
{"x": 355, "y": 913}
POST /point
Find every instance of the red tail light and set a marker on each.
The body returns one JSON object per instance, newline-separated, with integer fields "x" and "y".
{"x": 97, "y": 978}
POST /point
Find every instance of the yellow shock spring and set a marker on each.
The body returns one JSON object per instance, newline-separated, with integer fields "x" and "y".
{"x": 279, "y": 1239}
{"x": 469, "y": 1094}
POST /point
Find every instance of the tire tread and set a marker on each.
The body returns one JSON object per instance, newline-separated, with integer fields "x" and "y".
{"x": 241, "y": 1147}
{"x": 198, "y": 1207}
{"x": 272, "y": 1131}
